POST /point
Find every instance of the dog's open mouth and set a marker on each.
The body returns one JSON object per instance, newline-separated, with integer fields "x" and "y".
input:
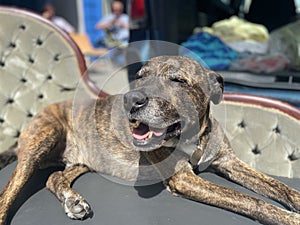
{"x": 145, "y": 135}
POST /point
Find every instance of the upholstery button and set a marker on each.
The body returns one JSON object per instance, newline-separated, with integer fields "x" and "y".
{"x": 256, "y": 150}
{"x": 56, "y": 57}
{"x": 29, "y": 115}
{"x": 22, "y": 27}
{"x": 10, "y": 101}
{"x": 276, "y": 130}
{"x": 49, "y": 77}
{"x": 41, "y": 96}
{"x": 17, "y": 134}
{"x": 39, "y": 42}
{"x": 242, "y": 124}
{"x": 12, "y": 45}
{"x": 292, "y": 157}
{"x": 2, "y": 63}
{"x": 1, "y": 120}
{"x": 23, "y": 80}
{"x": 31, "y": 60}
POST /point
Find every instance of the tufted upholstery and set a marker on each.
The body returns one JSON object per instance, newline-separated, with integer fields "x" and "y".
{"x": 263, "y": 132}
{"x": 39, "y": 65}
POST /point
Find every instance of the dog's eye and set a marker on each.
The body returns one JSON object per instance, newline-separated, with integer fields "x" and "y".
{"x": 178, "y": 80}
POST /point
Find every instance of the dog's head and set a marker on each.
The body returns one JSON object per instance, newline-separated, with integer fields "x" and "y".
{"x": 171, "y": 98}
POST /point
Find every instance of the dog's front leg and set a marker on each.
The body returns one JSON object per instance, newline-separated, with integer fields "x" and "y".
{"x": 238, "y": 171}
{"x": 186, "y": 183}
{"x": 60, "y": 183}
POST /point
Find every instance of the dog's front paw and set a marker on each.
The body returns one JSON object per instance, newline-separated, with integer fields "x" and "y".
{"x": 77, "y": 208}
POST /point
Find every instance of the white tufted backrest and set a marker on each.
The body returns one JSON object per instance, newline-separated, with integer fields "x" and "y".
{"x": 263, "y": 132}
{"x": 39, "y": 65}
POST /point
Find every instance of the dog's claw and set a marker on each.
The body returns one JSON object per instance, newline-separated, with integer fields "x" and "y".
{"x": 77, "y": 208}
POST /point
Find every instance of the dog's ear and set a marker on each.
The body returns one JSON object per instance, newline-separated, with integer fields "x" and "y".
{"x": 216, "y": 87}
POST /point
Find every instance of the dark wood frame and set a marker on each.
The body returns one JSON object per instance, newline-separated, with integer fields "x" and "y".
{"x": 264, "y": 102}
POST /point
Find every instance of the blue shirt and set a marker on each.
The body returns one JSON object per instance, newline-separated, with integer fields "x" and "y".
{"x": 119, "y": 33}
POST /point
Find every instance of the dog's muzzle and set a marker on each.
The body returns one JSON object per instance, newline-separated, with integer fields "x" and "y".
{"x": 147, "y": 136}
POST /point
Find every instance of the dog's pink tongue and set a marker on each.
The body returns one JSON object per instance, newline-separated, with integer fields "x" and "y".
{"x": 141, "y": 132}
{"x": 158, "y": 132}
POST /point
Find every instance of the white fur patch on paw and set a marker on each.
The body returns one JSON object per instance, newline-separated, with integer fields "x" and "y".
{"x": 77, "y": 208}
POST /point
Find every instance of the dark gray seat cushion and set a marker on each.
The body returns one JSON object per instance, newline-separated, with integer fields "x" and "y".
{"x": 114, "y": 203}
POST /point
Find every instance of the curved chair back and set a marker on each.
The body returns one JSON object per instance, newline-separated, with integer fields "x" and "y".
{"x": 39, "y": 65}
{"x": 263, "y": 132}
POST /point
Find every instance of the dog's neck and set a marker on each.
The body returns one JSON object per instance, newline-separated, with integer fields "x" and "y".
{"x": 202, "y": 150}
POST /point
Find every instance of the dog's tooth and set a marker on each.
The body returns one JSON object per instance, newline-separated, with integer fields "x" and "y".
{"x": 136, "y": 124}
{"x": 150, "y": 134}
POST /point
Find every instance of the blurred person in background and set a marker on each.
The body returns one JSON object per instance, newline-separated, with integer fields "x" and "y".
{"x": 115, "y": 25}
{"x": 42, "y": 7}
{"x": 49, "y": 13}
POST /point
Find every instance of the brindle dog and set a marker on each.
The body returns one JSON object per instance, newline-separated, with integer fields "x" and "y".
{"x": 161, "y": 129}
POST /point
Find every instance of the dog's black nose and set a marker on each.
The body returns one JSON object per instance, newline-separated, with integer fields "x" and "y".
{"x": 134, "y": 100}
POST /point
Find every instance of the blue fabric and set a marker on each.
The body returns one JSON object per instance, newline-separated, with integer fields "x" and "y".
{"x": 92, "y": 15}
{"x": 213, "y": 52}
